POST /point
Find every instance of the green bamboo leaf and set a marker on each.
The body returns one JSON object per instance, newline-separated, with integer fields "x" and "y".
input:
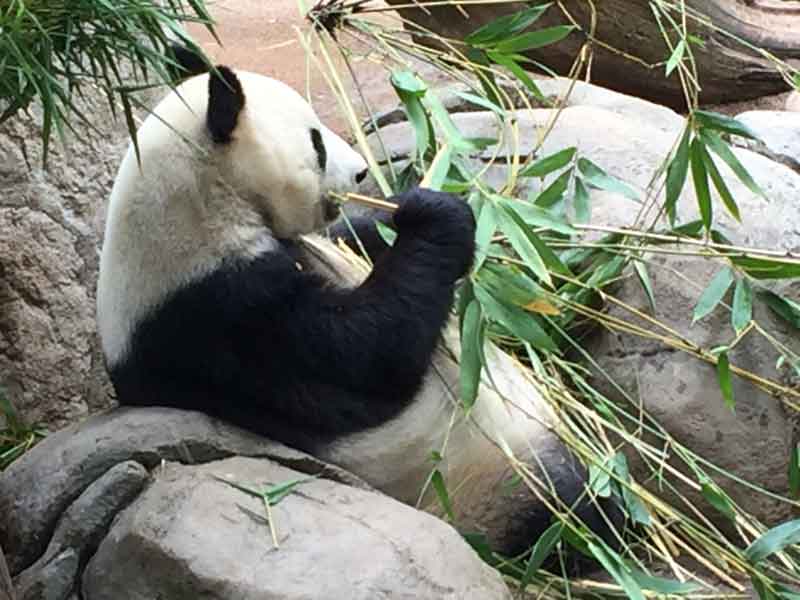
{"x": 470, "y": 364}
{"x": 512, "y": 65}
{"x": 676, "y": 173}
{"x": 275, "y": 493}
{"x": 723, "y": 150}
{"x": 617, "y": 569}
{"x": 794, "y": 471}
{"x": 550, "y": 163}
{"x": 583, "y": 210}
{"x": 534, "y": 39}
{"x": 387, "y": 234}
{"x": 663, "y": 586}
{"x": 515, "y": 230}
{"x": 700, "y": 178}
{"x": 676, "y": 57}
{"x": 717, "y": 498}
{"x": 742, "y": 312}
{"x": 713, "y": 294}
{"x": 636, "y": 508}
{"x": 484, "y": 232}
{"x": 600, "y": 480}
{"x": 764, "y": 268}
{"x": 597, "y": 177}
{"x": 536, "y": 216}
{"x": 517, "y": 321}
{"x": 723, "y": 123}
{"x": 786, "y": 309}
{"x": 481, "y": 101}
{"x": 441, "y": 492}
{"x": 774, "y": 540}
{"x": 553, "y": 193}
{"x": 644, "y": 279}
{"x": 410, "y": 89}
{"x": 724, "y": 379}
{"x": 541, "y": 550}
{"x": 506, "y": 26}
{"x": 721, "y": 186}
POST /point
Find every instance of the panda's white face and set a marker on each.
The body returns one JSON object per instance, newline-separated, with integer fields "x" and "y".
{"x": 284, "y": 161}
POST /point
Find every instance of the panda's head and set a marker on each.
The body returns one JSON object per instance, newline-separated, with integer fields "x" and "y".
{"x": 261, "y": 140}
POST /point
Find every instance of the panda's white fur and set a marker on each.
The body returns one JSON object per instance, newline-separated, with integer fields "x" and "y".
{"x": 194, "y": 203}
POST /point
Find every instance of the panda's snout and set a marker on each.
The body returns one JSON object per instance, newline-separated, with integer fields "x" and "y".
{"x": 361, "y": 175}
{"x": 330, "y": 209}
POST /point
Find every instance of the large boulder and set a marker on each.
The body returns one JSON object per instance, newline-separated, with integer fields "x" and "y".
{"x": 129, "y": 504}
{"x": 51, "y": 221}
{"x": 630, "y": 138}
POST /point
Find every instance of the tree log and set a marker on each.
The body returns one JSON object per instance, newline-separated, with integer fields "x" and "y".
{"x": 728, "y": 71}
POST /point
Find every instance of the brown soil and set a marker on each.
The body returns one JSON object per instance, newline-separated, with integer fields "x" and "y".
{"x": 262, "y": 36}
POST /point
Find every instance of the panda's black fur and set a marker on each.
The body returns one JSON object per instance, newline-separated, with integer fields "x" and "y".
{"x": 271, "y": 346}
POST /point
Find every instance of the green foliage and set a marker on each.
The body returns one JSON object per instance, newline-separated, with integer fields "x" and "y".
{"x": 55, "y": 51}
{"x": 15, "y": 436}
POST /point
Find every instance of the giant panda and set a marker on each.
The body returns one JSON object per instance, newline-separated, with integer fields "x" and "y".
{"x": 217, "y": 293}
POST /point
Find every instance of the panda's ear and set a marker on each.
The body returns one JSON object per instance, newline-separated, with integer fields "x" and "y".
{"x": 225, "y": 102}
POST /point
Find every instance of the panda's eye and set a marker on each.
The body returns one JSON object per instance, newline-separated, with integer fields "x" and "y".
{"x": 319, "y": 146}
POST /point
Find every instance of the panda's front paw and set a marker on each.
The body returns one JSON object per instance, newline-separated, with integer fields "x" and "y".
{"x": 443, "y": 220}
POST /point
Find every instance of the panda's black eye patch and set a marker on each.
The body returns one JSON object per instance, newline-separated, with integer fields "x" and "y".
{"x": 319, "y": 146}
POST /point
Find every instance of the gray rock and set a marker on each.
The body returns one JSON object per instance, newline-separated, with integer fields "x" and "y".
{"x": 86, "y": 521}
{"x": 56, "y": 580}
{"x": 190, "y": 536}
{"x": 778, "y": 130}
{"x": 793, "y": 101}
{"x": 6, "y": 588}
{"x": 36, "y": 489}
{"x": 683, "y": 395}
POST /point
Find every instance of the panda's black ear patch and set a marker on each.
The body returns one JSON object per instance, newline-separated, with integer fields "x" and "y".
{"x": 225, "y": 102}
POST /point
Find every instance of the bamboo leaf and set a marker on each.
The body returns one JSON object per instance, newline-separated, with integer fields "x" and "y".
{"x": 583, "y": 210}
{"x": 764, "y": 268}
{"x": 470, "y": 364}
{"x": 661, "y": 585}
{"x": 742, "y": 312}
{"x": 723, "y": 123}
{"x": 794, "y": 471}
{"x": 676, "y": 174}
{"x": 534, "y": 39}
{"x": 550, "y": 163}
{"x": 553, "y": 193}
{"x": 786, "y": 309}
{"x": 541, "y": 550}
{"x": 441, "y": 492}
{"x": 724, "y": 379}
{"x": 636, "y": 508}
{"x": 700, "y": 178}
{"x": 713, "y": 294}
{"x": 720, "y": 185}
{"x": 617, "y": 569}
{"x": 723, "y": 150}
{"x": 506, "y": 26}
{"x": 717, "y": 498}
{"x": 647, "y": 285}
{"x": 597, "y": 177}
{"x": 515, "y": 230}
{"x": 676, "y": 57}
{"x": 774, "y": 540}
{"x": 516, "y": 320}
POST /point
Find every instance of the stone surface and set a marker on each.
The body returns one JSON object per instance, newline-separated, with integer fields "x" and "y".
{"x": 793, "y": 102}
{"x": 778, "y": 130}
{"x": 50, "y": 363}
{"x": 85, "y": 522}
{"x": 36, "y": 489}
{"x": 683, "y": 396}
{"x": 56, "y": 579}
{"x": 6, "y": 588}
{"x": 190, "y": 536}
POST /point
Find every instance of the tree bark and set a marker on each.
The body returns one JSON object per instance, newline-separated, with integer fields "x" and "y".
{"x": 728, "y": 71}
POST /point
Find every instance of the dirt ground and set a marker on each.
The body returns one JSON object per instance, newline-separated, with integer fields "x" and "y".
{"x": 261, "y": 36}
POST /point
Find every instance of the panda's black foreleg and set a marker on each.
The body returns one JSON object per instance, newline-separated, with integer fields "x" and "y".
{"x": 361, "y": 231}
